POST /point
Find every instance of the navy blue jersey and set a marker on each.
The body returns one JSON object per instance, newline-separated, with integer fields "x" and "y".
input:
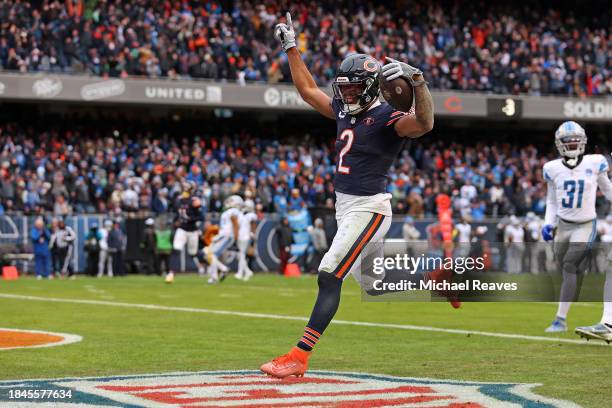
{"x": 367, "y": 145}
{"x": 188, "y": 216}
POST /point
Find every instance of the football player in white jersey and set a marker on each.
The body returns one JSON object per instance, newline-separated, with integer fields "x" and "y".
{"x": 246, "y": 231}
{"x": 570, "y": 220}
{"x": 227, "y": 236}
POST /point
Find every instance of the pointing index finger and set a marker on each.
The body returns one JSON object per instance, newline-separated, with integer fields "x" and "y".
{"x": 289, "y": 23}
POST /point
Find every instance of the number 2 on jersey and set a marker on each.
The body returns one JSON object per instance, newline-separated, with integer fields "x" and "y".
{"x": 570, "y": 188}
{"x": 349, "y": 136}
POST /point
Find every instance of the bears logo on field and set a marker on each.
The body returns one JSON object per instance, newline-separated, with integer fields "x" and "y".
{"x": 18, "y": 338}
{"x": 252, "y": 389}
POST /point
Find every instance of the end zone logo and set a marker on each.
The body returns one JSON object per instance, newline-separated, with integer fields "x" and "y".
{"x": 252, "y": 389}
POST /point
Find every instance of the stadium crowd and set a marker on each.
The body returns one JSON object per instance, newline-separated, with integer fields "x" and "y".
{"x": 533, "y": 48}
{"x": 67, "y": 171}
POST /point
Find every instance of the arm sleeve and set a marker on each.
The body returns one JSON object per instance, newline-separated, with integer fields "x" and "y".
{"x": 605, "y": 185}
{"x": 551, "y": 204}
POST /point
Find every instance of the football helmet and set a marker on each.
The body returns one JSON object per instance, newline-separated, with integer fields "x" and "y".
{"x": 248, "y": 206}
{"x": 233, "y": 201}
{"x": 570, "y": 140}
{"x": 356, "y": 85}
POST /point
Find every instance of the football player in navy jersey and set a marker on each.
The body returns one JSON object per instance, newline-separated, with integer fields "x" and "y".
{"x": 370, "y": 135}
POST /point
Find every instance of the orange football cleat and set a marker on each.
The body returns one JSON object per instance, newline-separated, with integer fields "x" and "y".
{"x": 443, "y": 275}
{"x": 294, "y": 363}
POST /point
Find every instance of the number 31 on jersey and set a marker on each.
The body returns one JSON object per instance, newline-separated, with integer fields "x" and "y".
{"x": 570, "y": 189}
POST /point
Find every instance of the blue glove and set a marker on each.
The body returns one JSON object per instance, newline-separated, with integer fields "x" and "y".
{"x": 548, "y": 232}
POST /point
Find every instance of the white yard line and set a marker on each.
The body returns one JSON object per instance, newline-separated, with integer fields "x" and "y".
{"x": 302, "y": 319}
{"x": 579, "y": 304}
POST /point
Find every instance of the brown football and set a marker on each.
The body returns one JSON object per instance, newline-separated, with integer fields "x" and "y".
{"x": 398, "y": 93}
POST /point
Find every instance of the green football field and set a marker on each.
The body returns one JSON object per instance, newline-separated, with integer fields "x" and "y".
{"x": 140, "y": 325}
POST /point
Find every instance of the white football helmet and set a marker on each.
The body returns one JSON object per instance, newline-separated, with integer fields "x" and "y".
{"x": 571, "y": 140}
{"x": 233, "y": 201}
{"x": 248, "y": 206}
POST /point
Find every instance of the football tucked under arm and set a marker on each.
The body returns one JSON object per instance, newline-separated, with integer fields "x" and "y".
{"x": 422, "y": 121}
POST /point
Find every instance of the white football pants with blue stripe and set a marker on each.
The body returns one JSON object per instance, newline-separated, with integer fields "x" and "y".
{"x": 243, "y": 266}
{"x": 220, "y": 244}
{"x": 571, "y": 245}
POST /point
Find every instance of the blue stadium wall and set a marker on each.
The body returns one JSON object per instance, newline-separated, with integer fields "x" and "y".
{"x": 16, "y": 230}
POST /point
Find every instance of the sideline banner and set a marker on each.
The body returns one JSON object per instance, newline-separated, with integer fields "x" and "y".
{"x": 40, "y": 88}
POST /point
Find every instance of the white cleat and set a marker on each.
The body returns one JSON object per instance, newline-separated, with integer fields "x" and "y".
{"x": 169, "y": 277}
{"x": 597, "y": 331}
{"x": 558, "y": 326}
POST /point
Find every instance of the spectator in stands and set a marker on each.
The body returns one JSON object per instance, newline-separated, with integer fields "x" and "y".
{"x": 92, "y": 248}
{"x": 500, "y": 179}
{"x": 296, "y": 202}
{"x": 106, "y": 255}
{"x": 514, "y": 238}
{"x": 129, "y": 198}
{"x": 116, "y": 246}
{"x": 318, "y": 237}
{"x": 280, "y": 201}
{"x": 285, "y": 239}
{"x": 410, "y": 234}
{"x": 409, "y": 231}
{"x": 488, "y": 47}
{"x": 148, "y": 246}
{"x": 56, "y": 262}
{"x": 61, "y": 207}
{"x": 40, "y": 237}
{"x": 63, "y": 242}
{"x": 160, "y": 203}
{"x": 163, "y": 249}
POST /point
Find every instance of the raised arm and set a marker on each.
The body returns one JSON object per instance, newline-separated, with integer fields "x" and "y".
{"x": 423, "y": 119}
{"x": 302, "y": 79}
